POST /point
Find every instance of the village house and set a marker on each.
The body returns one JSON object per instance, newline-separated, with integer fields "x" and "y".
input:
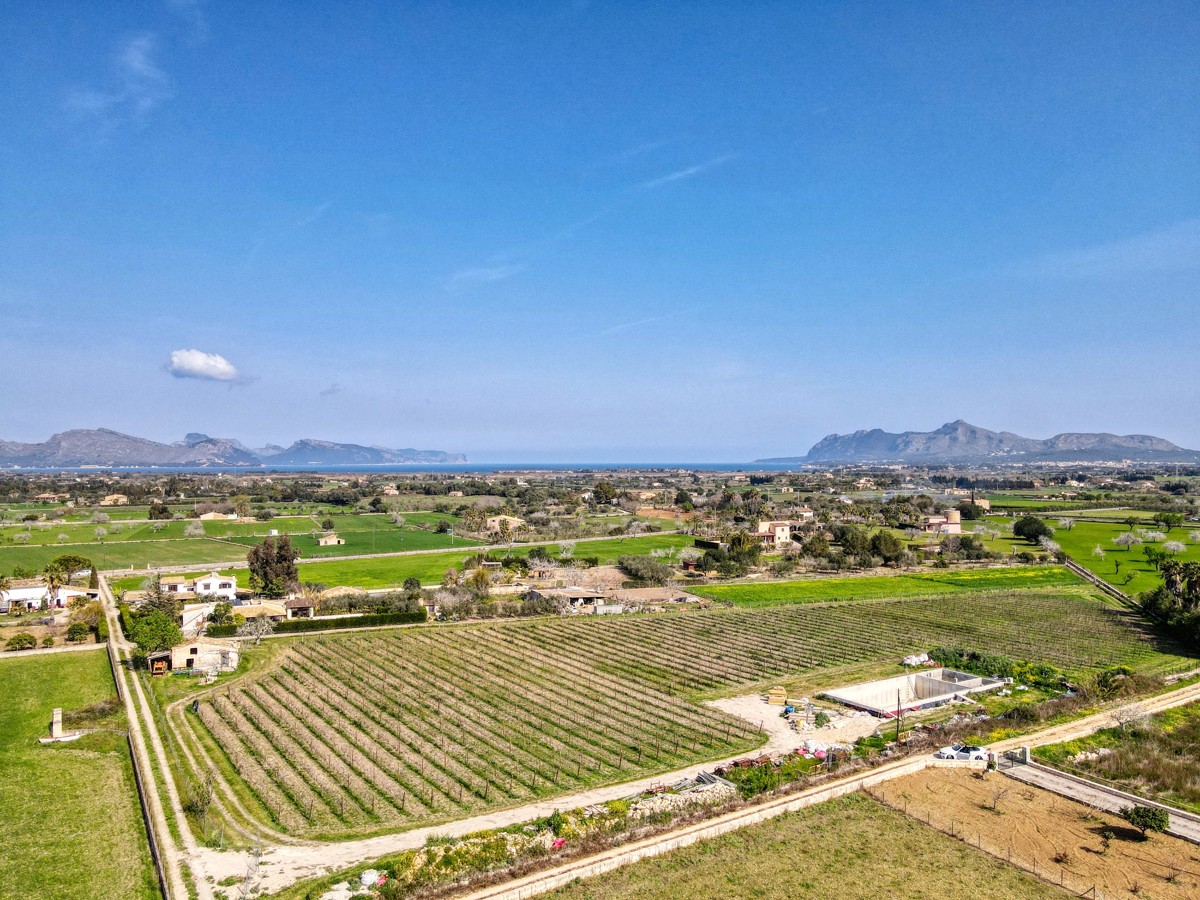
{"x": 114, "y": 500}
{"x": 949, "y": 523}
{"x": 454, "y": 494}
{"x": 493, "y": 524}
{"x": 330, "y": 539}
{"x": 210, "y": 585}
{"x": 217, "y": 516}
{"x": 193, "y": 619}
{"x": 774, "y": 535}
{"x": 31, "y": 598}
{"x": 570, "y": 599}
{"x": 201, "y": 655}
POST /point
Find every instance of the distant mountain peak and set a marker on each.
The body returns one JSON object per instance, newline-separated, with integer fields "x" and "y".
{"x": 960, "y": 441}
{"x": 105, "y": 447}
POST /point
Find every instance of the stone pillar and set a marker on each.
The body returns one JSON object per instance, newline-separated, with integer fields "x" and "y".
{"x": 56, "y": 730}
{"x": 1025, "y": 755}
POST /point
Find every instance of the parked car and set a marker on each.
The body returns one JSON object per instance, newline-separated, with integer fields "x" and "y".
{"x": 962, "y": 751}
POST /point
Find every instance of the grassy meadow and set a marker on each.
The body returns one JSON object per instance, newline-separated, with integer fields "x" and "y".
{"x": 852, "y": 847}
{"x": 815, "y": 590}
{"x": 68, "y": 812}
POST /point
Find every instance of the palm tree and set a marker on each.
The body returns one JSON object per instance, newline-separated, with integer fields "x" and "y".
{"x": 55, "y": 578}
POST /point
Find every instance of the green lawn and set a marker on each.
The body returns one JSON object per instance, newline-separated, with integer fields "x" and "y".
{"x": 815, "y": 590}
{"x": 68, "y": 812}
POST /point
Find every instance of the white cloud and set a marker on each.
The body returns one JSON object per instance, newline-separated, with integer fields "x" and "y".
{"x": 473, "y": 277}
{"x": 198, "y": 364}
{"x": 141, "y": 86}
{"x": 689, "y": 172}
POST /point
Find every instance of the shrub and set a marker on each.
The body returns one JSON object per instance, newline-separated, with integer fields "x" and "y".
{"x": 76, "y": 632}
{"x": 21, "y": 641}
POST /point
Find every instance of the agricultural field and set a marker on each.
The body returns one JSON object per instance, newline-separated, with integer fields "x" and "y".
{"x": 815, "y": 590}
{"x": 351, "y": 734}
{"x": 1158, "y": 758}
{"x": 1040, "y": 830}
{"x": 1126, "y": 569}
{"x": 68, "y": 812}
{"x": 391, "y": 571}
{"x": 125, "y": 554}
{"x": 808, "y": 853}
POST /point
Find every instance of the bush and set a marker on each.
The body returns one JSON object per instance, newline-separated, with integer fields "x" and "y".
{"x": 21, "y": 641}
{"x": 646, "y": 569}
{"x": 1146, "y": 818}
{"x": 294, "y": 626}
{"x": 76, "y": 632}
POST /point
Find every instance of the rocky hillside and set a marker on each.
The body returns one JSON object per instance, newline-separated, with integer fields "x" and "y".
{"x": 963, "y": 442}
{"x": 104, "y": 447}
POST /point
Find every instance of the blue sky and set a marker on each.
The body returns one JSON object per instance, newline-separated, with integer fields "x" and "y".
{"x": 598, "y": 231}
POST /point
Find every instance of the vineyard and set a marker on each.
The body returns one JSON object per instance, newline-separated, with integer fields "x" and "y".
{"x": 350, "y": 734}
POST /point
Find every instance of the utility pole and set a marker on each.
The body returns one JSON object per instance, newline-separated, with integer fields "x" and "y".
{"x": 897, "y": 717}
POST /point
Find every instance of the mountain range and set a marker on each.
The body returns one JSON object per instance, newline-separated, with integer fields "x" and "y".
{"x": 963, "y": 442}
{"x": 104, "y": 447}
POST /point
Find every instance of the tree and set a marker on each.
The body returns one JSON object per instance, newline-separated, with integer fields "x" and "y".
{"x": 645, "y": 569}
{"x": 327, "y": 524}
{"x": 1126, "y": 540}
{"x": 480, "y": 582}
{"x": 258, "y": 628}
{"x": 71, "y": 563}
{"x": 55, "y": 578}
{"x": 886, "y": 546}
{"x": 273, "y": 569}
{"x": 222, "y": 614}
{"x": 1174, "y": 547}
{"x": 683, "y": 499}
{"x": 1146, "y": 818}
{"x": 412, "y": 585}
{"x": 603, "y": 492}
{"x": 153, "y": 631}
{"x": 77, "y": 632}
{"x": 193, "y": 529}
{"x": 157, "y": 598}
{"x": 1031, "y": 528}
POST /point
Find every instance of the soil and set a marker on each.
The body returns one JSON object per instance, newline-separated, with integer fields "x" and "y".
{"x": 1060, "y": 837}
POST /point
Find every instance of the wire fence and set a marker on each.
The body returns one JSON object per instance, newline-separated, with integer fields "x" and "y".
{"x": 1057, "y": 874}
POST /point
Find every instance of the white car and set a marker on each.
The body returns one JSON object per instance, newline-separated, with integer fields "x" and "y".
{"x": 962, "y": 751}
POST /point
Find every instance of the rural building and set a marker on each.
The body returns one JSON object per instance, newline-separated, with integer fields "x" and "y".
{"x": 950, "y": 523}
{"x": 330, "y": 539}
{"x": 114, "y": 500}
{"x": 202, "y": 655}
{"x": 216, "y": 516}
{"x": 493, "y": 524}
{"x": 775, "y": 535}
{"x": 30, "y": 598}
{"x": 211, "y": 585}
{"x": 299, "y": 607}
{"x": 51, "y": 498}
{"x": 920, "y": 690}
{"x": 454, "y": 494}
{"x": 573, "y": 599}
{"x": 250, "y": 611}
{"x": 194, "y": 618}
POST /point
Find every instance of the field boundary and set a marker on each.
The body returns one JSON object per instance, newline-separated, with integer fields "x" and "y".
{"x": 44, "y": 651}
{"x": 609, "y": 860}
{"x": 1099, "y": 582}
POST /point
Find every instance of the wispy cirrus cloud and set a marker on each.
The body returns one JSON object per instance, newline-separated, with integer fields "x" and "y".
{"x": 201, "y": 365}
{"x": 475, "y": 276}
{"x": 689, "y": 172}
{"x": 140, "y": 85}
{"x": 192, "y": 14}
{"x": 309, "y": 218}
{"x": 1175, "y": 248}
{"x": 637, "y": 323}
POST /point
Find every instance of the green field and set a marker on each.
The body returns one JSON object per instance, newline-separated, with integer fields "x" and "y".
{"x": 1080, "y": 540}
{"x": 429, "y": 568}
{"x": 852, "y": 847}
{"x": 382, "y": 730}
{"x": 816, "y": 590}
{"x": 126, "y": 555}
{"x": 69, "y": 813}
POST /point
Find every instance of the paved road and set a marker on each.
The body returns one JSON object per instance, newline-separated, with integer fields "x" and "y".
{"x": 1183, "y": 825}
